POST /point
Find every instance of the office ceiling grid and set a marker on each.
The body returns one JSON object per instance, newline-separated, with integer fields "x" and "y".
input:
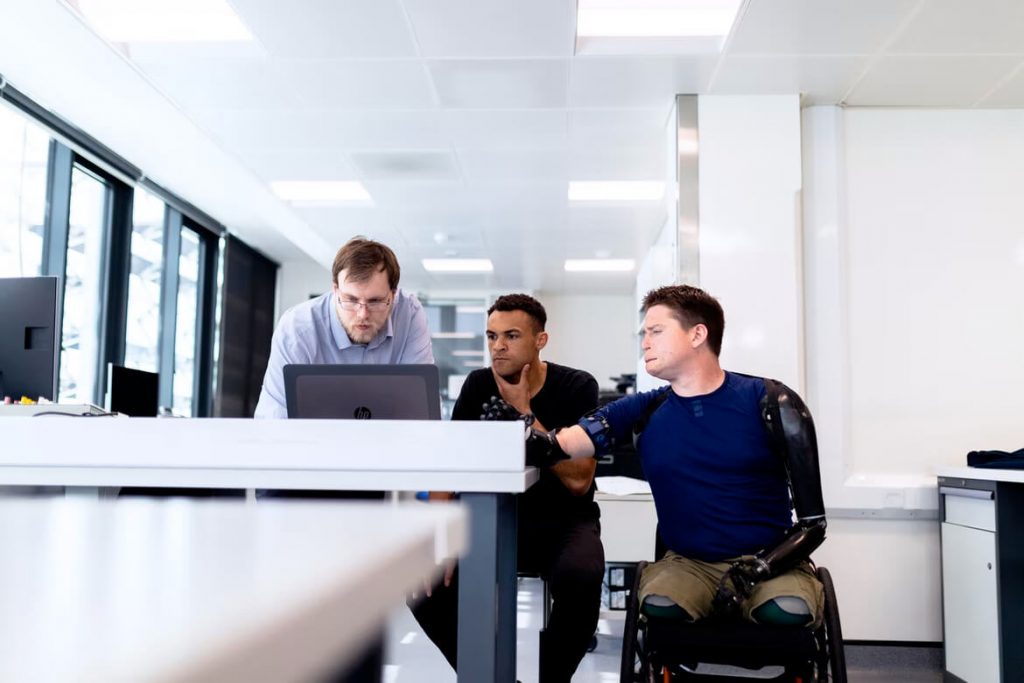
{"x": 468, "y": 118}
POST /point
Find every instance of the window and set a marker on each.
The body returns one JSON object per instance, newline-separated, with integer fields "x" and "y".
{"x": 189, "y": 262}
{"x": 80, "y": 332}
{"x": 142, "y": 333}
{"x": 457, "y": 339}
{"x": 23, "y": 158}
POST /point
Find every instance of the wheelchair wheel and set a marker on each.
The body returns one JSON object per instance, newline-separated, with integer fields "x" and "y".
{"x": 628, "y": 670}
{"x": 833, "y": 630}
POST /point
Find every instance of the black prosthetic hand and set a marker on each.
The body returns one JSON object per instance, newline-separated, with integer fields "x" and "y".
{"x": 543, "y": 449}
{"x": 500, "y": 410}
{"x": 738, "y": 582}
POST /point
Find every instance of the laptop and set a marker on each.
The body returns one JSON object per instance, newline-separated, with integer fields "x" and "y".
{"x": 362, "y": 392}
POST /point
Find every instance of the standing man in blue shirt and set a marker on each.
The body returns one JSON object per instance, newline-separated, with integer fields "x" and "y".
{"x": 365, "y": 318}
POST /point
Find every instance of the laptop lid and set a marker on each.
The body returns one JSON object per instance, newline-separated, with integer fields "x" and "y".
{"x": 362, "y": 392}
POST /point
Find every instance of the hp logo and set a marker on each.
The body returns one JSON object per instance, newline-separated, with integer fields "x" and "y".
{"x": 362, "y": 413}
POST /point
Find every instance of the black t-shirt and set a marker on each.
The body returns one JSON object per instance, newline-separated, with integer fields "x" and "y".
{"x": 567, "y": 395}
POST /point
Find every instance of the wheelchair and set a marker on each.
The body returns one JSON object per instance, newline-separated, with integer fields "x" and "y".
{"x": 665, "y": 650}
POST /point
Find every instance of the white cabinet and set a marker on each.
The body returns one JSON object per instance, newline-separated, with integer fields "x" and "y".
{"x": 970, "y": 610}
{"x": 628, "y": 526}
{"x": 982, "y": 515}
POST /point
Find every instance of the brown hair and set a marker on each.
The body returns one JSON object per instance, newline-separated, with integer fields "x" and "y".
{"x": 521, "y": 302}
{"x": 691, "y": 306}
{"x": 362, "y": 258}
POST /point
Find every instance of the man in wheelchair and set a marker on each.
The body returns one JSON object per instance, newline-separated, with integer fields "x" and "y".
{"x": 725, "y": 455}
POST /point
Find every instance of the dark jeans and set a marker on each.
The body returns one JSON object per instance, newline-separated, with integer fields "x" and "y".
{"x": 570, "y": 558}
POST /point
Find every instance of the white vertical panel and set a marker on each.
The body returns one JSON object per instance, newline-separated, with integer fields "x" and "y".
{"x": 749, "y": 229}
{"x": 935, "y": 249}
{"x": 825, "y": 295}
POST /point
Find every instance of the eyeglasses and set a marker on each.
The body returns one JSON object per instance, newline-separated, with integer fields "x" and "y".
{"x": 370, "y": 305}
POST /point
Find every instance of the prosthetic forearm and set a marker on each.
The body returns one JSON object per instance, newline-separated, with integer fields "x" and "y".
{"x": 791, "y": 430}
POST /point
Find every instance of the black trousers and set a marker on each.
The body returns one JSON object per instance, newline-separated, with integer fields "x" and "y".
{"x": 570, "y": 558}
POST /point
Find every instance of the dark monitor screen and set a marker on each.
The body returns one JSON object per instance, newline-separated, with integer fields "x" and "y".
{"x": 133, "y": 392}
{"x": 363, "y": 392}
{"x": 28, "y": 337}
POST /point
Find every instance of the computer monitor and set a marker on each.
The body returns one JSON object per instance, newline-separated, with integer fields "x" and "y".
{"x": 362, "y": 392}
{"x": 28, "y": 337}
{"x": 133, "y": 392}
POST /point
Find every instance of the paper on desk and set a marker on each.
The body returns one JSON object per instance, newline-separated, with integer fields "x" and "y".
{"x": 621, "y": 486}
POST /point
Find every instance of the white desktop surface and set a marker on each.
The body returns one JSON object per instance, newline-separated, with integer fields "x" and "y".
{"x": 206, "y": 591}
{"x": 405, "y": 455}
{"x": 982, "y": 473}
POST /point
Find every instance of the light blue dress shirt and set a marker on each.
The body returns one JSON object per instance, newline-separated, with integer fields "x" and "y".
{"x": 311, "y": 333}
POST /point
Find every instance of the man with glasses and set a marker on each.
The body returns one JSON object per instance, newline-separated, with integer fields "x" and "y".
{"x": 365, "y": 318}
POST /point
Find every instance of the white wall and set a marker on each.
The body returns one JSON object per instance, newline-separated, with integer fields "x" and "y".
{"x": 297, "y": 280}
{"x": 914, "y": 262}
{"x": 592, "y": 333}
{"x": 750, "y": 178}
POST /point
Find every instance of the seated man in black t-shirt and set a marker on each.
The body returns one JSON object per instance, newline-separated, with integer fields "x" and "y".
{"x": 559, "y": 531}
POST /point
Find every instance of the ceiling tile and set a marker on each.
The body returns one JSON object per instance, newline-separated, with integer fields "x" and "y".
{"x": 825, "y": 80}
{"x": 957, "y": 27}
{"x": 426, "y": 166}
{"x": 497, "y": 129}
{"x": 938, "y": 81}
{"x": 618, "y": 163}
{"x": 833, "y": 27}
{"x": 619, "y": 127}
{"x": 211, "y": 84}
{"x": 298, "y": 163}
{"x": 493, "y": 28}
{"x": 368, "y": 84}
{"x": 328, "y": 29}
{"x": 514, "y": 164}
{"x": 501, "y": 84}
{"x": 324, "y": 129}
{"x": 636, "y": 81}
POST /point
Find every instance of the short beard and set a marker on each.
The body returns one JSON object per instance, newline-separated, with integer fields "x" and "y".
{"x": 352, "y": 335}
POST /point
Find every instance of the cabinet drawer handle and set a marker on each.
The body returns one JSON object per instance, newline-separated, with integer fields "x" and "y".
{"x": 966, "y": 493}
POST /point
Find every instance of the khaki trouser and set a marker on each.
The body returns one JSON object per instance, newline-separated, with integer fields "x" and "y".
{"x": 692, "y": 584}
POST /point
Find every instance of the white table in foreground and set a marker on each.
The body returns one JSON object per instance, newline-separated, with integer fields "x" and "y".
{"x": 181, "y": 590}
{"x": 483, "y": 460}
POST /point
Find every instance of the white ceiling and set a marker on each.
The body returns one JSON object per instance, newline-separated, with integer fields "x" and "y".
{"x": 470, "y": 117}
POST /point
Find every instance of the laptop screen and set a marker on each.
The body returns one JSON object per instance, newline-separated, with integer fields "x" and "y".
{"x": 362, "y": 392}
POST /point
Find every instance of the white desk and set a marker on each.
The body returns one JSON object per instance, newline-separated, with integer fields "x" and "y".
{"x": 181, "y": 590}
{"x": 485, "y": 460}
{"x": 982, "y": 515}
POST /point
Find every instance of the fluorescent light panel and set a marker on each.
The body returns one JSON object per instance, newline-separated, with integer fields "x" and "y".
{"x": 468, "y": 353}
{"x": 616, "y": 191}
{"x": 321, "y": 191}
{"x": 655, "y": 18}
{"x": 599, "y": 265}
{"x": 164, "y": 21}
{"x": 458, "y": 265}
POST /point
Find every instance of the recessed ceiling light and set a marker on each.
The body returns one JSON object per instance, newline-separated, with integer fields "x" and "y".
{"x": 163, "y": 21}
{"x": 321, "y": 191}
{"x": 466, "y": 352}
{"x": 599, "y": 265}
{"x": 616, "y": 191}
{"x": 458, "y": 265}
{"x": 655, "y": 18}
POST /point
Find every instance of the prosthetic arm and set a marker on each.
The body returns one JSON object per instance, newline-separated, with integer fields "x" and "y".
{"x": 791, "y": 431}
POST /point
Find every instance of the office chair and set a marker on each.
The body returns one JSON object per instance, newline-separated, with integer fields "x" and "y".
{"x": 663, "y": 650}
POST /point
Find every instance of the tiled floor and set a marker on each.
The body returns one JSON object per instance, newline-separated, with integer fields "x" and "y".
{"x": 412, "y": 658}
